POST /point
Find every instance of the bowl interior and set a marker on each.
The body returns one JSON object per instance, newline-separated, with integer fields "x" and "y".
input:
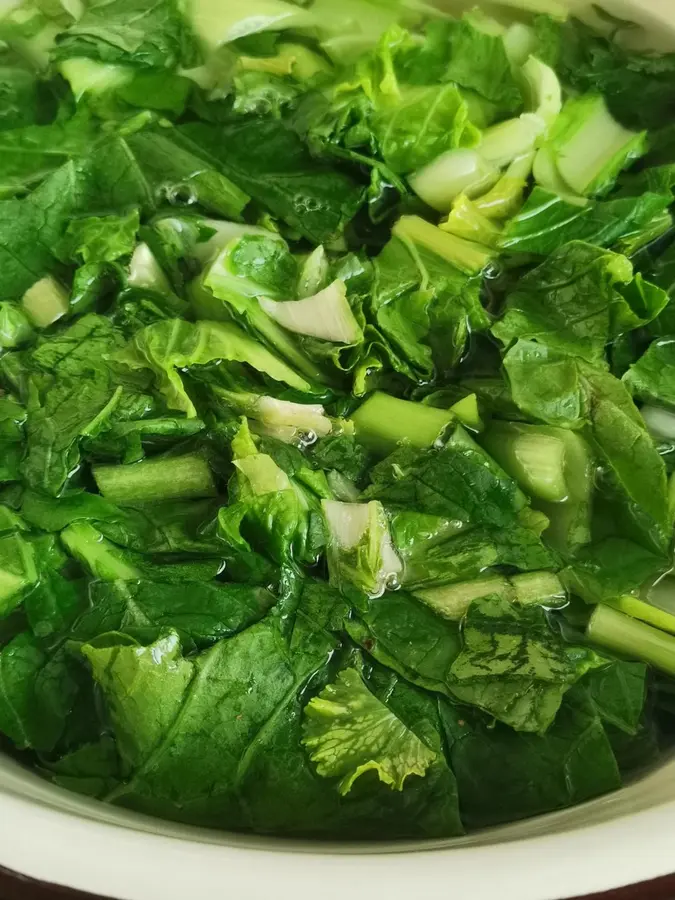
{"x": 29, "y": 805}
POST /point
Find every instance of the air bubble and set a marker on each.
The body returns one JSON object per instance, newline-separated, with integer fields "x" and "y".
{"x": 305, "y": 204}
{"x": 307, "y": 438}
{"x": 493, "y": 271}
{"x": 181, "y": 194}
{"x": 392, "y": 582}
{"x": 598, "y": 476}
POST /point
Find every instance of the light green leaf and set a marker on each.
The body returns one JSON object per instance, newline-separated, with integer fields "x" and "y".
{"x": 652, "y": 377}
{"x": 100, "y": 238}
{"x": 348, "y": 732}
{"x": 175, "y": 344}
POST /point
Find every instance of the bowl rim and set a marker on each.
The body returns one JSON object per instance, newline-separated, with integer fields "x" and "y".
{"x": 52, "y": 836}
{"x": 155, "y": 860}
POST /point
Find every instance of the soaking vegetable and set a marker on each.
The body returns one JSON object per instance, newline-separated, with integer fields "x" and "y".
{"x": 337, "y": 410}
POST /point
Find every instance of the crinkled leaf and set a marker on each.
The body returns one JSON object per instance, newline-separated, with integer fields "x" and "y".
{"x": 574, "y": 302}
{"x": 100, "y": 238}
{"x": 270, "y": 163}
{"x": 349, "y": 732}
{"x": 131, "y": 32}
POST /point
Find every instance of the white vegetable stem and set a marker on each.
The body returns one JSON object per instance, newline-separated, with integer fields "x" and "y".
{"x": 590, "y": 146}
{"x": 145, "y": 271}
{"x": 543, "y": 88}
{"x": 502, "y": 143}
{"x": 360, "y": 546}
{"x": 327, "y": 315}
{"x": 45, "y": 302}
{"x": 660, "y": 422}
{"x": 451, "y": 174}
{"x": 305, "y": 416}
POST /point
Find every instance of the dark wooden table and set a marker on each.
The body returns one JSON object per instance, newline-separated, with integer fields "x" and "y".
{"x": 15, "y": 887}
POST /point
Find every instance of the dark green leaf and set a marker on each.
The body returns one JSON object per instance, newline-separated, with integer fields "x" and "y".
{"x": 574, "y": 302}
{"x": 204, "y": 614}
{"x": 270, "y": 163}
{"x": 513, "y": 666}
{"x": 618, "y": 692}
{"x": 571, "y": 763}
{"x": 36, "y": 694}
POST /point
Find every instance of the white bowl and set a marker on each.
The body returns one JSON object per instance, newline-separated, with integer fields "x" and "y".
{"x": 622, "y": 838}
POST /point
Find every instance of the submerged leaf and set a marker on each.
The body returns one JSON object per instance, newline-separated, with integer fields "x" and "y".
{"x": 514, "y": 667}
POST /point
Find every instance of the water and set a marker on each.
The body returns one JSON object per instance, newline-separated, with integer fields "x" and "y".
{"x": 392, "y": 582}
{"x": 305, "y": 204}
{"x": 493, "y": 271}
{"x": 307, "y": 438}
{"x": 177, "y": 194}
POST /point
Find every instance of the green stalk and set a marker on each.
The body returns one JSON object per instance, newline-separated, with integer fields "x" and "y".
{"x": 167, "y": 478}
{"x": 383, "y": 422}
{"x": 534, "y": 456}
{"x": 527, "y": 589}
{"x": 45, "y": 302}
{"x": 619, "y": 633}
{"x": 469, "y": 257}
{"x": 103, "y": 559}
{"x": 638, "y": 609}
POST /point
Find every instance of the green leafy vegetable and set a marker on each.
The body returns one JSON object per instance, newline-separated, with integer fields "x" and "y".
{"x": 651, "y": 378}
{"x": 35, "y": 696}
{"x": 348, "y": 732}
{"x": 513, "y": 667}
{"x": 175, "y": 344}
{"x": 126, "y": 31}
{"x": 315, "y": 200}
{"x": 478, "y": 60}
{"x": 101, "y": 239}
{"x": 547, "y": 221}
{"x": 457, "y": 481}
{"x": 574, "y": 302}
{"x": 576, "y": 395}
{"x": 571, "y": 763}
{"x": 359, "y": 548}
{"x": 136, "y": 680}
{"x": 635, "y": 85}
{"x": 142, "y": 609}
{"x": 337, "y": 410}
